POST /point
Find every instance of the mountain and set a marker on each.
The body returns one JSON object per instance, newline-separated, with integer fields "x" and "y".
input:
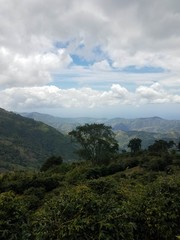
{"x": 148, "y": 129}
{"x": 152, "y": 124}
{"x": 25, "y": 142}
{"x": 64, "y": 125}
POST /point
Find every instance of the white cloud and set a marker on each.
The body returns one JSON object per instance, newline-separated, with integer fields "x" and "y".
{"x": 135, "y": 30}
{"x": 155, "y": 94}
{"x": 111, "y": 35}
{"x": 35, "y": 69}
{"x": 53, "y": 97}
{"x": 102, "y": 66}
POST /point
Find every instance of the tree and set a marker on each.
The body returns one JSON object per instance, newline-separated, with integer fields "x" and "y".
{"x": 98, "y": 143}
{"x": 135, "y": 145}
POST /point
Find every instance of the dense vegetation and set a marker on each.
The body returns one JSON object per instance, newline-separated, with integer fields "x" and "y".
{"x": 26, "y": 143}
{"x": 136, "y": 196}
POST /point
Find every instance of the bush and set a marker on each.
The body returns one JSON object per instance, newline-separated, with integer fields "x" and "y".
{"x": 52, "y": 161}
{"x": 159, "y": 163}
{"x": 12, "y": 216}
{"x": 81, "y": 214}
{"x": 102, "y": 186}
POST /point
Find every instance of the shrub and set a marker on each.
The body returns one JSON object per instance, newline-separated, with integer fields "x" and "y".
{"x": 52, "y": 161}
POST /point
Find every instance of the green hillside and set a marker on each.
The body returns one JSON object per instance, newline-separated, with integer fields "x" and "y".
{"x": 27, "y": 143}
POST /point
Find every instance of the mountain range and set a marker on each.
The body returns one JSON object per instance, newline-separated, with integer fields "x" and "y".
{"x": 148, "y": 129}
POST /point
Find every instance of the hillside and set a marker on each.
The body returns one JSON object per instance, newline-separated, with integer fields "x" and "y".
{"x": 27, "y": 143}
{"x": 148, "y": 129}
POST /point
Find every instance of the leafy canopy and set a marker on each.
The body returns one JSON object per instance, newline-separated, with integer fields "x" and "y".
{"x": 98, "y": 143}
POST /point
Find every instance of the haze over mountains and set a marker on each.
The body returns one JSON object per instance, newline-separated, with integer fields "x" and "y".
{"x": 148, "y": 129}
{"x": 151, "y": 124}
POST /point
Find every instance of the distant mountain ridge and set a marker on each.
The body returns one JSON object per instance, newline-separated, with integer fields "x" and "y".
{"x": 25, "y": 142}
{"x": 148, "y": 129}
{"x": 151, "y": 124}
{"x": 64, "y": 125}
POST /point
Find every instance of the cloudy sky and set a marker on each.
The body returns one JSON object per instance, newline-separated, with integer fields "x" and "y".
{"x": 102, "y": 58}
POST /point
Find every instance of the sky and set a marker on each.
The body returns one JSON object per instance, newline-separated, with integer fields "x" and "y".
{"x": 95, "y": 58}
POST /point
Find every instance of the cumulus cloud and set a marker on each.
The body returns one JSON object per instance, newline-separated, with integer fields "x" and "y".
{"x": 102, "y": 65}
{"x": 54, "y": 97}
{"x": 35, "y": 69}
{"x": 51, "y": 96}
{"x": 155, "y": 94}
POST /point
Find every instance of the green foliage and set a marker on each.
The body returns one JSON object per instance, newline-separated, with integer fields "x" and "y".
{"x": 162, "y": 212}
{"x": 50, "y": 162}
{"x": 129, "y": 199}
{"x": 103, "y": 186}
{"x": 77, "y": 173}
{"x": 20, "y": 182}
{"x": 98, "y": 143}
{"x": 158, "y": 163}
{"x": 12, "y": 216}
{"x": 81, "y": 214}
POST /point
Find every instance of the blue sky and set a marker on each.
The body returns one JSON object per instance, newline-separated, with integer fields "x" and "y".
{"x": 91, "y": 58}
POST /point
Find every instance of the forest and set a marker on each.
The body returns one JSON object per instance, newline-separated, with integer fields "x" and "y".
{"x": 131, "y": 195}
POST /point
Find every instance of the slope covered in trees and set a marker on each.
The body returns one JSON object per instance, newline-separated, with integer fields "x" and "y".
{"x": 27, "y": 143}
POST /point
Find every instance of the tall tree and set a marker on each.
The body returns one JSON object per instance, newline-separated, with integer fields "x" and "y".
{"x": 135, "y": 145}
{"x": 98, "y": 143}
